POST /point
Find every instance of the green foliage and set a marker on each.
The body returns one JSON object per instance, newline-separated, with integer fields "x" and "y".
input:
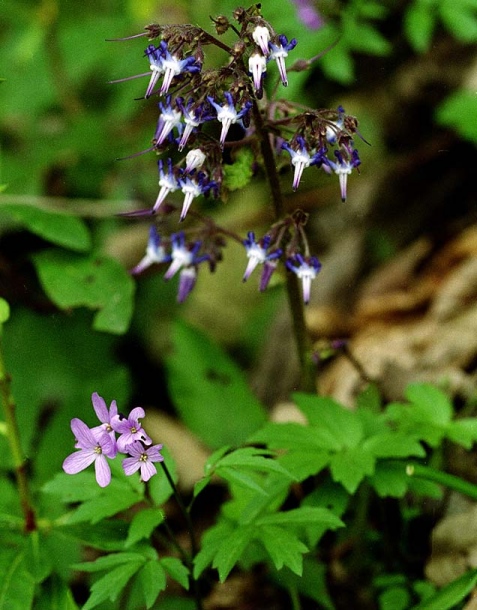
{"x": 459, "y": 111}
{"x": 449, "y": 596}
{"x": 239, "y": 173}
{"x": 209, "y": 390}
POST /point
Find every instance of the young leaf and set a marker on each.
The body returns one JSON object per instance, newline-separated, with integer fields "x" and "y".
{"x": 349, "y": 467}
{"x": 239, "y": 173}
{"x": 429, "y": 404}
{"x": 143, "y": 524}
{"x": 176, "y": 570}
{"x": 231, "y": 549}
{"x": 283, "y": 546}
{"x": 209, "y": 390}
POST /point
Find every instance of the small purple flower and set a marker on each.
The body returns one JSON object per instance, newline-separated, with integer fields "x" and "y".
{"x": 193, "y": 185}
{"x": 307, "y": 269}
{"x": 301, "y": 158}
{"x": 257, "y": 66}
{"x": 92, "y": 448}
{"x": 343, "y": 168}
{"x": 269, "y": 268}
{"x": 173, "y": 66}
{"x": 130, "y": 429}
{"x": 155, "y": 56}
{"x": 167, "y": 181}
{"x": 279, "y": 52}
{"x": 193, "y": 117}
{"x": 257, "y": 253}
{"x": 336, "y": 126}
{"x": 187, "y": 280}
{"x": 155, "y": 253}
{"x": 168, "y": 119}
{"x": 183, "y": 255}
{"x": 227, "y": 114}
{"x": 308, "y": 14}
{"x": 104, "y": 415}
{"x": 143, "y": 459}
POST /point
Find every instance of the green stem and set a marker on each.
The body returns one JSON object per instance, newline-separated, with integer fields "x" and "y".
{"x": 442, "y": 478}
{"x": 193, "y": 542}
{"x": 13, "y": 437}
{"x": 294, "y": 597}
{"x": 295, "y": 300}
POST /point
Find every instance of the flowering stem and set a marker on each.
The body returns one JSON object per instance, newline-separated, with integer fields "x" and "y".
{"x": 192, "y": 538}
{"x": 295, "y": 301}
{"x": 13, "y": 436}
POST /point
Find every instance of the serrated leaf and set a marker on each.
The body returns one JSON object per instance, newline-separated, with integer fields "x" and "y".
{"x": 105, "y": 505}
{"x": 96, "y": 282}
{"x": 295, "y": 436}
{"x": 393, "y": 445}
{"x": 111, "y": 585}
{"x": 350, "y": 466}
{"x": 284, "y": 547}
{"x": 390, "y": 479}
{"x": 429, "y": 404}
{"x": 303, "y": 516}
{"x": 176, "y": 570}
{"x": 211, "y": 543}
{"x": 152, "y": 579}
{"x": 303, "y": 464}
{"x": 233, "y": 475}
{"x": 449, "y": 596}
{"x": 108, "y": 561}
{"x": 239, "y": 173}
{"x": 143, "y": 524}
{"x": 55, "y": 594}
{"x": 231, "y": 550}
{"x": 77, "y": 488}
{"x": 325, "y": 413}
{"x": 251, "y": 459}
{"x": 61, "y": 229}
{"x": 463, "y": 432}
{"x": 16, "y": 584}
{"x": 209, "y": 390}
{"x": 104, "y": 536}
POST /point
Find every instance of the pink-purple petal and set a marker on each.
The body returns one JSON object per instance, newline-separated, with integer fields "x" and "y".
{"x": 136, "y": 413}
{"x": 78, "y": 461}
{"x": 131, "y": 465}
{"x": 84, "y": 436}
{"x": 103, "y": 471}
{"x": 100, "y": 408}
{"x": 147, "y": 470}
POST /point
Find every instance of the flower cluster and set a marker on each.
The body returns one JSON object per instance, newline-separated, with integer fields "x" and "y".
{"x": 96, "y": 444}
{"x": 206, "y": 115}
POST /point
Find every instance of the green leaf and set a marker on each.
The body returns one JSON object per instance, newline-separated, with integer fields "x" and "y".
{"x": 105, "y": 535}
{"x": 295, "y": 436}
{"x": 351, "y": 466}
{"x": 176, "y": 570}
{"x": 303, "y": 516}
{"x": 390, "y": 479}
{"x": 61, "y": 229}
{"x": 364, "y": 38}
{"x": 463, "y": 432}
{"x": 152, "y": 580}
{"x": 4, "y": 311}
{"x": 459, "y": 111}
{"x": 304, "y": 464}
{"x": 283, "y": 546}
{"x": 70, "y": 489}
{"x": 113, "y": 499}
{"x": 111, "y": 585}
{"x": 108, "y": 561}
{"x": 240, "y": 478}
{"x": 16, "y": 584}
{"x": 96, "y": 282}
{"x": 393, "y": 445}
{"x": 430, "y": 404}
{"x": 143, "y": 524}
{"x": 460, "y": 18}
{"x": 419, "y": 23}
{"x": 212, "y": 541}
{"x": 312, "y": 582}
{"x": 325, "y": 413}
{"x": 252, "y": 459}
{"x": 209, "y": 390}
{"x": 55, "y": 594}
{"x": 239, "y": 173}
{"x": 449, "y": 596}
{"x": 394, "y": 598}
{"x": 231, "y": 549}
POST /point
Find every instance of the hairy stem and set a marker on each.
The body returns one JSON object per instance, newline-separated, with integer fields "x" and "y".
{"x": 13, "y": 437}
{"x": 295, "y": 300}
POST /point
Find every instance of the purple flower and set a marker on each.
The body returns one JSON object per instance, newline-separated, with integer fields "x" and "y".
{"x": 193, "y": 117}
{"x": 193, "y": 186}
{"x": 143, "y": 459}
{"x": 155, "y": 253}
{"x": 257, "y": 254}
{"x": 308, "y": 14}
{"x": 92, "y": 448}
{"x": 335, "y": 126}
{"x": 343, "y": 168}
{"x": 168, "y": 119}
{"x": 130, "y": 429}
{"x": 167, "y": 181}
{"x": 187, "y": 280}
{"x": 301, "y": 158}
{"x": 307, "y": 269}
{"x": 173, "y": 66}
{"x": 104, "y": 415}
{"x": 279, "y": 52}
{"x": 183, "y": 255}
{"x": 155, "y": 56}
{"x": 227, "y": 114}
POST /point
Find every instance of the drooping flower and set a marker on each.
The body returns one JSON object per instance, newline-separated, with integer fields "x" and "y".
{"x": 336, "y": 126}
{"x": 194, "y": 115}
{"x": 155, "y": 56}
{"x": 343, "y": 168}
{"x": 168, "y": 119}
{"x": 167, "y": 181}
{"x": 193, "y": 185}
{"x": 130, "y": 429}
{"x": 155, "y": 252}
{"x": 183, "y": 255}
{"x": 269, "y": 267}
{"x": 227, "y": 114}
{"x": 187, "y": 281}
{"x": 306, "y": 270}
{"x": 279, "y": 52}
{"x": 261, "y": 37}
{"x": 257, "y": 66}
{"x": 257, "y": 253}
{"x": 143, "y": 459}
{"x": 301, "y": 158}
{"x": 92, "y": 448}
{"x": 173, "y": 66}
{"x": 194, "y": 159}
